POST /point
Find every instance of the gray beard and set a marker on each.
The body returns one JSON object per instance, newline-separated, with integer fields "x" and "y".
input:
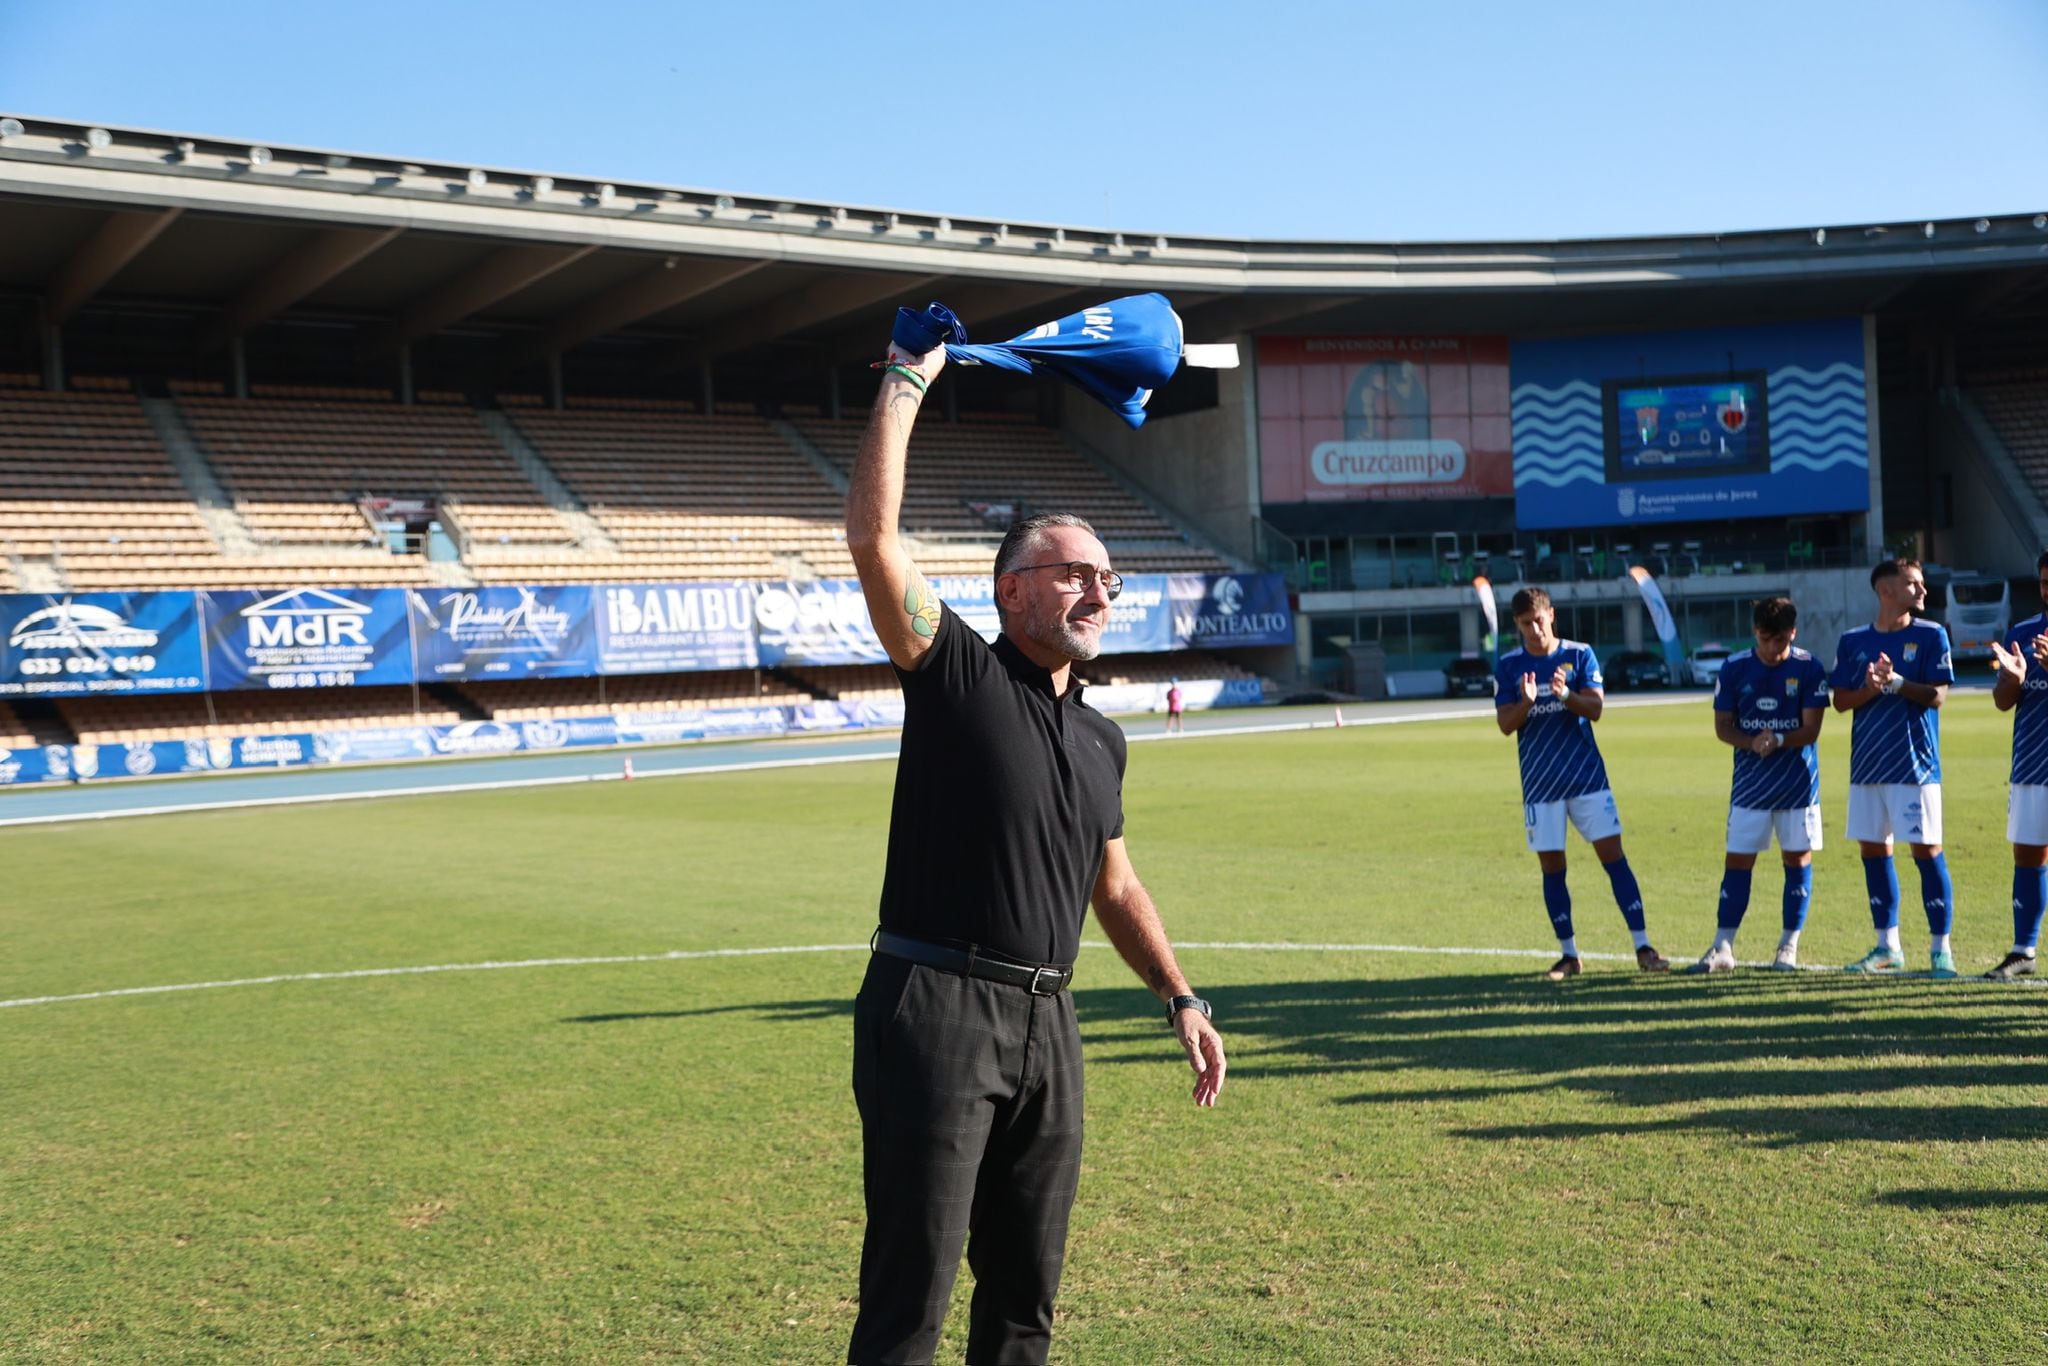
{"x": 1061, "y": 634}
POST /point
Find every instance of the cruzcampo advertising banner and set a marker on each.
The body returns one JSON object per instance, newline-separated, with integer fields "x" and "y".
{"x": 503, "y": 632}
{"x": 308, "y": 638}
{"x": 79, "y": 644}
{"x": 654, "y": 628}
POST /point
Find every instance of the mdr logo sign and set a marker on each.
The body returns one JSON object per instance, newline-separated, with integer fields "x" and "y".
{"x": 308, "y": 638}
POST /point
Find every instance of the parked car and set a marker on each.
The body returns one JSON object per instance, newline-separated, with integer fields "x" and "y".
{"x": 1634, "y": 669}
{"x": 1468, "y": 677}
{"x": 1703, "y": 665}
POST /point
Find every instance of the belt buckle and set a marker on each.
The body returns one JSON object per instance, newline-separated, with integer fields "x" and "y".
{"x": 1038, "y": 975}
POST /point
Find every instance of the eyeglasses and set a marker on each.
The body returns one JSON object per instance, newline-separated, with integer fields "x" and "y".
{"x": 1080, "y": 576}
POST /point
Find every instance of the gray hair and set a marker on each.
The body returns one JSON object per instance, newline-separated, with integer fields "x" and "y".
{"x": 1025, "y": 538}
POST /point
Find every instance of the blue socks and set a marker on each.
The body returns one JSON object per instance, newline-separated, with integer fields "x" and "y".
{"x": 1627, "y": 895}
{"x": 1936, "y": 893}
{"x": 1734, "y": 898}
{"x": 1557, "y": 901}
{"x": 1798, "y": 893}
{"x": 1883, "y": 882}
{"x": 2029, "y": 895}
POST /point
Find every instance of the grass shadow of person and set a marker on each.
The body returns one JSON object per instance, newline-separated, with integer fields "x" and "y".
{"x": 773, "y": 1011}
{"x": 1629, "y": 1040}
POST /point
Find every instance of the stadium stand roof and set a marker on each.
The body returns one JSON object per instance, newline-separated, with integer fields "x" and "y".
{"x": 234, "y": 236}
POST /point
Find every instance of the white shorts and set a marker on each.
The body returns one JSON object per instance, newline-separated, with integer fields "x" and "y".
{"x": 2026, "y": 814}
{"x": 1750, "y": 830}
{"x": 1880, "y": 811}
{"x": 1592, "y": 815}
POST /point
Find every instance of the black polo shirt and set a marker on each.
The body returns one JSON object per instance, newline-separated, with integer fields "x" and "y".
{"x": 1005, "y": 796}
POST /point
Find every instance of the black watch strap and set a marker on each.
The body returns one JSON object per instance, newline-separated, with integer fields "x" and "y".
{"x": 1180, "y": 1003}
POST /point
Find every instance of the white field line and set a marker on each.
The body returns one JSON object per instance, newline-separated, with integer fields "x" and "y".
{"x": 682, "y": 955}
{"x": 747, "y": 766}
{"x": 438, "y": 789}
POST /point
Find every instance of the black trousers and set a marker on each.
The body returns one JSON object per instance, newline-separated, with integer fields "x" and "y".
{"x": 970, "y": 1107}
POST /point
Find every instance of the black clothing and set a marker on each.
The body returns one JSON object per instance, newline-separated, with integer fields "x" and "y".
{"x": 970, "y": 1089}
{"x": 1040, "y": 979}
{"x": 1005, "y": 795}
{"x": 970, "y": 1105}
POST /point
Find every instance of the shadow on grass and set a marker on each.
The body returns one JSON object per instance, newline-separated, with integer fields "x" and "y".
{"x": 1955, "y": 1199}
{"x": 1784, "y": 1126}
{"x": 779, "y": 1011}
{"x": 1761, "y": 1054}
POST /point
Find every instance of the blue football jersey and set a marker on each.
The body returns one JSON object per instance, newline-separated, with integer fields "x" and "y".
{"x": 1772, "y": 697}
{"x": 1893, "y": 740}
{"x": 1559, "y": 758}
{"x": 2030, "y": 717}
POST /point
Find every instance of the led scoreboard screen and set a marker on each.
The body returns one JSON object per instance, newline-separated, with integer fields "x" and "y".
{"x": 1686, "y": 427}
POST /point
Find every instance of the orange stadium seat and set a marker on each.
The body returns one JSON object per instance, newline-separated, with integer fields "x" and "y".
{"x": 682, "y": 496}
{"x": 2015, "y": 403}
{"x": 552, "y": 698}
{"x": 954, "y": 466}
{"x": 298, "y": 464}
{"x": 199, "y": 716}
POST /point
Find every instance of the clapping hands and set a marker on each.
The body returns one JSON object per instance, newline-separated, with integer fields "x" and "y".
{"x": 2011, "y": 663}
{"x": 1560, "y": 685}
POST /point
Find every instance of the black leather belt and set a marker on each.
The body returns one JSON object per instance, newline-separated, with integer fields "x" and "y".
{"x": 1044, "y": 980}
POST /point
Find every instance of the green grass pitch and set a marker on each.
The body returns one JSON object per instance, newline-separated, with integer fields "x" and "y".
{"x": 1418, "y": 1156}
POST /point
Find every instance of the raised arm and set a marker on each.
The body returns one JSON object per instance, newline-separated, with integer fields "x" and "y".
{"x": 902, "y": 605}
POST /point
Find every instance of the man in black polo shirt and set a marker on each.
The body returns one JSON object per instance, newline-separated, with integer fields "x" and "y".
{"x": 1007, "y": 823}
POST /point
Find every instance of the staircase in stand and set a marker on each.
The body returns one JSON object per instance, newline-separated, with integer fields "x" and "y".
{"x": 592, "y": 538}
{"x": 216, "y": 509}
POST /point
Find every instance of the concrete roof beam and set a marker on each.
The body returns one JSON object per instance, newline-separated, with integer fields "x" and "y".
{"x": 304, "y": 269}
{"x": 655, "y": 291}
{"x": 1226, "y": 318}
{"x": 498, "y": 276}
{"x": 118, "y": 240}
{"x": 821, "y": 302}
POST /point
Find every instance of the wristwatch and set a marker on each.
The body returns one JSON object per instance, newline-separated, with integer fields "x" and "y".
{"x": 1180, "y": 1003}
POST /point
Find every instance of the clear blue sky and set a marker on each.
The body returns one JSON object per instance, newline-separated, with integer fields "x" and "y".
{"x": 1428, "y": 120}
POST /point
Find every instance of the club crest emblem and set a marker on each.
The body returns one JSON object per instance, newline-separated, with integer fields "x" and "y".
{"x": 1734, "y": 414}
{"x": 1791, "y": 687}
{"x": 1912, "y": 649}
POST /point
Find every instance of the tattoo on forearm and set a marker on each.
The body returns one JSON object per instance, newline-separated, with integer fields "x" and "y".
{"x": 923, "y": 606}
{"x": 1156, "y": 975}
